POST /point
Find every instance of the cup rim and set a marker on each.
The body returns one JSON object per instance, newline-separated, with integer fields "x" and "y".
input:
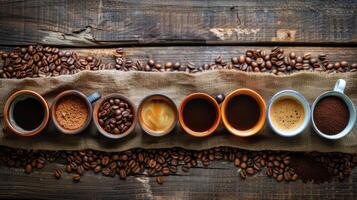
{"x": 307, "y": 118}
{"x": 199, "y": 95}
{"x": 148, "y": 131}
{"x": 348, "y": 102}
{"x": 262, "y": 106}
{"x": 95, "y": 116}
{"x": 8, "y": 104}
{"x": 62, "y": 95}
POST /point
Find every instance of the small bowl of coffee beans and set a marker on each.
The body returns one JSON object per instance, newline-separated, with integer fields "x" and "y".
{"x": 115, "y": 116}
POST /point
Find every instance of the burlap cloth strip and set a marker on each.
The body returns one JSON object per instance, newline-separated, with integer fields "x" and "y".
{"x": 136, "y": 85}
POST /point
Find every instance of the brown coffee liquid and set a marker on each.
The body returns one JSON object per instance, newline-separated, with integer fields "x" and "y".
{"x": 28, "y": 113}
{"x": 199, "y": 115}
{"x": 287, "y": 114}
{"x": 243, "y": 112}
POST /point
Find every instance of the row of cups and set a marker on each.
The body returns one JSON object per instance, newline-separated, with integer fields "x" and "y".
{"x": 194, "y": 118}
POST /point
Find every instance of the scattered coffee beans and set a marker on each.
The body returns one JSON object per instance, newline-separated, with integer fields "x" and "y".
{"x": 115, "y": 116}
{"x": 71, "y": 112}
{"x": 282, "y": 166}
{"x": 331, "y": 115}
{"x": 38, "y": 61}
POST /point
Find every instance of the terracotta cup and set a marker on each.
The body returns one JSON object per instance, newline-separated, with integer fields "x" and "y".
{"x": 207, "y": 98}
{"x": 169, "y": 102}
{"x": 96, "y": 112}
{"x": 86, "y": 100}
{"x": 8, "y": 112}
{"x": 262, "y": 106}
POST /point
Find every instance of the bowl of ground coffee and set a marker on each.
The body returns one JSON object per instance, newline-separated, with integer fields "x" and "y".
{"x": 243, "y": 112}
{"x": 71, "y": 111}
{"x": 333, "y": 113}
{"x": 26, "y": 113}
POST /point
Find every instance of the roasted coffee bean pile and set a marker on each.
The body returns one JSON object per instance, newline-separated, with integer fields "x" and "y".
{"x": 39, "y": 61}
{"x": 163, "y": 162}
{"x": 115, "y": 116}
{"x": 258, "y": 60}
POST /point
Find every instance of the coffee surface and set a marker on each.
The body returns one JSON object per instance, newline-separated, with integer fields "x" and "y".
{"x": 71, "y": 112}
{"x": 331, "y": 115}
{"x": 199, "y": 115}
{"x": 287, "y": 114}
{"x": 157, "y": 115}
{"x": 28, "y": 113}
{"x": 243, "y": 112}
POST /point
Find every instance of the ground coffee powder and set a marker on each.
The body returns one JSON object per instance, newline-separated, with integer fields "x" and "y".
{"x": 331, "y": 115}
{"x": 71, "y": 113}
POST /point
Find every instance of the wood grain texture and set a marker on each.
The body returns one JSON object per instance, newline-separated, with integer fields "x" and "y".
{"x": 220, "y": 181}
{"x": 206, "y": 54}
{"x": 95, "y": 23}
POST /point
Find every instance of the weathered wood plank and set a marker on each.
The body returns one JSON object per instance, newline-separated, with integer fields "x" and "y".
{"x": 220, "y": 181}
{"x": 205, "y": 54}
{"x": 94, "y": 23}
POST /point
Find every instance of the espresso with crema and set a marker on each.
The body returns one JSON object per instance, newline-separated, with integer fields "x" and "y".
{"x": 157, "y": 115}
{"x": 287, "y": 114}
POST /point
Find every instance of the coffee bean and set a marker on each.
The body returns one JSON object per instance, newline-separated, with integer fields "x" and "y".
{"x": 280, "y": 177}
{"x": 160, "y": 180}
{"x": 57, "y": 173}
{"x": 122, "y": 174}
{"x": 344, "y": 63}
{"x": 76, "y": 178}
{"x": 115, "y": 116}
{"x": 243, "y": 174}
{"x": 28, "y": 169}
{"x": 219, "y": 98}
{"x": 250, "y": 171}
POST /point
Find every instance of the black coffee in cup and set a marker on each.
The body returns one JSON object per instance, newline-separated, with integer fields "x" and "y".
{"x": 243, "y": 112}
{"x": 28, "y": 113}
{"x": 199, "y": 114}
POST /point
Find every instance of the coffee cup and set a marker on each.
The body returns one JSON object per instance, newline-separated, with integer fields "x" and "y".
{"x": 115, "y": 116}
{"x": 333, "y": 113}
{"x": 26, "y": 113}
{"x": 288, "y": 113}
{"x": 71, "y": 111}
{"x": 243, "y": 112}
{"x": 199, "y": 114}
{"x": 157, "y": 115}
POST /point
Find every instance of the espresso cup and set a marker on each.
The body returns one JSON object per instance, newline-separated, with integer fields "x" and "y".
{"x": 243, "y": 112}
{"x": 288, "y": 113}
{"x": 157, "y": 115}
{"x": 96, "y": 112}
{"x": 26, "y": 113}
{"x": 73, "y": 95}
{"x": 336, "y": 92}
{"x": 199, "y": 114}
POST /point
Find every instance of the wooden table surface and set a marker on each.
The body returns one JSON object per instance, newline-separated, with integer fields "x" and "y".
{"x": 188, "y": 30}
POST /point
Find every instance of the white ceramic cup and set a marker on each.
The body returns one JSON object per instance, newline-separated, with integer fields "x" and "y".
{"x": 338, "y": 92}
{"x": 304, "y": 103}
